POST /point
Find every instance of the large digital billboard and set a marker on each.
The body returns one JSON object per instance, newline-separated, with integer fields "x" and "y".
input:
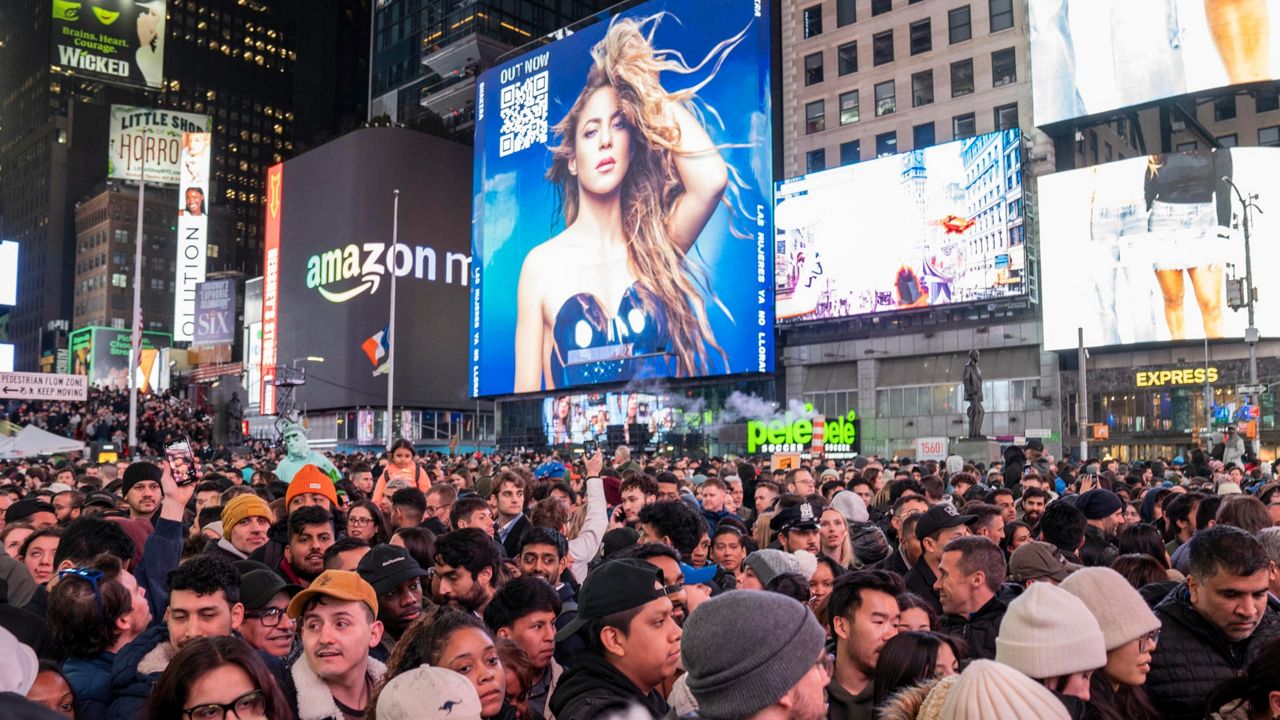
{"x": 327, "y": 261}
{"x": 193, "y": 230}
{"x": 623, "y": 206}
{"x": 929, "y": 227}
{"x": 1139, "y": 251}
{"x": 103, "y": 355}
{"x": 619, "y": 418}
{"x": 116, "y": 41}
{"x": 1095, "y": 56}
{"x": 151, "y": 139}
{"x": 8, "y": 272}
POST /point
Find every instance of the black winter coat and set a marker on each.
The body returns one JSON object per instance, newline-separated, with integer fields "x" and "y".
{"x": 1097, "y": 551}
{"x": 978, "y": 631}
{"x": 593, "y": 688}
{"x": 1193, "y": 656}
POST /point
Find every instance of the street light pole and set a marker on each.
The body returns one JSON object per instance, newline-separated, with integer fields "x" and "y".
{"x": 135, "y": 340}
{"x": 1251, "y": 335}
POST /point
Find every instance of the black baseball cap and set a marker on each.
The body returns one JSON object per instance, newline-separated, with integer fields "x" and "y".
{"x": 797, "y": 517}
{"x": 105, "y": 499}
{"x": 257, "y": 587}
{"x": 615, "y": 586}
{"x": 25, "y": 508}
{"x": 940, "y": 517}
{"x": 386, "y": 566}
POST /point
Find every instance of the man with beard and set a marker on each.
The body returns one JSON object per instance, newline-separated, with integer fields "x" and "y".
{"x": 466, "y": 571}
{"x": 685, "y": 583}
{"x": 766, "y": 642}
{"x": 1033, "y": 502}
{"x": 1104, "y": 512}
{"x": 204, "y": 601}
{"x": 397, "y": 579}
{"x": 310, "y": 534}
{"x": 525, "y": 611}
{"x": 141, "y": 489}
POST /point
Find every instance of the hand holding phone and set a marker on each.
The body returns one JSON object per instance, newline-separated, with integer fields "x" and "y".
{"x": 182, "y": 462}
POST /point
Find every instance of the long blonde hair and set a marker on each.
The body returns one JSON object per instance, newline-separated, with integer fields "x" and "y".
{"x": 667, "y": 278}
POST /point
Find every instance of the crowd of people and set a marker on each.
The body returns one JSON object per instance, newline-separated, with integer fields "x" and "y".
{"x": 104, "y": 418}
{"x": 526, "y": 586}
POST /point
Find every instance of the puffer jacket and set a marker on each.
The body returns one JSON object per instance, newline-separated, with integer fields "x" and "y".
{"x": 1193, "y": 656}
{"x": 979, "y": 630}
{"x": 922, "y": 701}
{"x": 90, "y": 682}
{"x": 135, "y": 670}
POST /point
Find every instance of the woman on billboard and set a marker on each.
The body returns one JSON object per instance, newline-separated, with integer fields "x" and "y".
{"x": 615, "y": 295}
{"x": 1189, "y": 206}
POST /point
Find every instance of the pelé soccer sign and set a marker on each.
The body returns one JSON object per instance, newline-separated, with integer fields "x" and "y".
{"x": 835, "y": 437}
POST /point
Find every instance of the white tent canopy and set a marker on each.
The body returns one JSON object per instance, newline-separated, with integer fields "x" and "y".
{"x": 31, "y": 441}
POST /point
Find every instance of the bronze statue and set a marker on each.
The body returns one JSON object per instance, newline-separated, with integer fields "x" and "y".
{"x": 973, "y": 395}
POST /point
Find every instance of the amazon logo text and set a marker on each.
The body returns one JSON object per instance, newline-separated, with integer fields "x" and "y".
{"x": 345, "y": 273}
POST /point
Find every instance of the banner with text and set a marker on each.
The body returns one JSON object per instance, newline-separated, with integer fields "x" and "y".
{"x": 110, "y": 40}
{"x": 193, "y": 231}
{"x": 144, "y": 138}
{"x": 215, "y": 312}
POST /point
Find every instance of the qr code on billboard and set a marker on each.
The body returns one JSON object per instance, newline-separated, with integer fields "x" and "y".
{"x": 524, "y": 114}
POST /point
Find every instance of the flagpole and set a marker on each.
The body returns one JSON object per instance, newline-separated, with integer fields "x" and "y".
{"x": 135, "y": 342}
{"x": 391, "y": 326}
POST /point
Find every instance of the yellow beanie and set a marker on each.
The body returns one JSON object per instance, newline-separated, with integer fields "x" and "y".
{"x": 241, "y": 507}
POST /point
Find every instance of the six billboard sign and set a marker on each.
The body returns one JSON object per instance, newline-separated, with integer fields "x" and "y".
{"x": 152, "y": 139}
{"x": 215, "y": 322}
{"x": 110, "y": 40}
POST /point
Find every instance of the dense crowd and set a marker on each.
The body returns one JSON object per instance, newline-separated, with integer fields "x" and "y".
{"x": 104, "y": 418}
{"x": 524, "y": 586}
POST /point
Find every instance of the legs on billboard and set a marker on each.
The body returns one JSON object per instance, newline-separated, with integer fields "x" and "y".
{"x": 1207, "y": 283}
{"x": 1171, "y": 287}
{"x": 1241, "y": 31}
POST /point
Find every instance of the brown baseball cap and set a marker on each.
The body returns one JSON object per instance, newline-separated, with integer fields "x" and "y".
{"x": 1038, "y": 561}
{"x": 339, "y": 584}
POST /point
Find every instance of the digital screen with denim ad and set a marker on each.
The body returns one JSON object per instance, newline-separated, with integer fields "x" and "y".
{"x": 1095, "y": 56}
{"x": 623, "y": 204}
{"x": 1143, "y": 250}
{"x": 930, "y": 227}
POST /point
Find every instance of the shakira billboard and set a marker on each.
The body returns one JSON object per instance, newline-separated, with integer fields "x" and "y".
{"x": 622, "y": 203}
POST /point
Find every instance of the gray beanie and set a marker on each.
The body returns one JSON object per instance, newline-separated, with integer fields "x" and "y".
{"x": 744, "y": 650}
{"x": 769, "y": 563}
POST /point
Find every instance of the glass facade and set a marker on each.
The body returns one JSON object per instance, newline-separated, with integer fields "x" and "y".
{"x": 1001, "y": 396}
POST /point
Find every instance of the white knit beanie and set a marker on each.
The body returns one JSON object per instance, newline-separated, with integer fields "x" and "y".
{"x": 1120, "y": 611}
{"x": 1048, "y": 632}
{"x": 988, "y": 690}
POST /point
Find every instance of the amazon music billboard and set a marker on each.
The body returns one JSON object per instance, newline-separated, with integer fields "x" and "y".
{"x": 936, "y": 226}
{"x": 328, "y": 259}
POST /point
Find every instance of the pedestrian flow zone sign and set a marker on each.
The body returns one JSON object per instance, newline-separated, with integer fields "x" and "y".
{"x": 43, "y": 386}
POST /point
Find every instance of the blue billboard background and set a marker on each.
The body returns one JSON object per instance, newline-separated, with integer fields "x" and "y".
{"x": 517, "y": 208}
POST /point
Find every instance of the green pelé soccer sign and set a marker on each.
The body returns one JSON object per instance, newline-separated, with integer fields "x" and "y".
{"x": 833, "y": 437}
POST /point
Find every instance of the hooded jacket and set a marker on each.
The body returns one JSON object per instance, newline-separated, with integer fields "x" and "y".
{"x": 1193, "y": 656}
{"x": 593, "y": 687}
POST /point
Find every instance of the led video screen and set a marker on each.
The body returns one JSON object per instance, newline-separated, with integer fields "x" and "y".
{"x": 1095, "y": 56}
{"x": 1140, "y": 251}
{"x": 614, "y": 418}
{"x": 623, "y": 203}
{"x": 929, "y": 227}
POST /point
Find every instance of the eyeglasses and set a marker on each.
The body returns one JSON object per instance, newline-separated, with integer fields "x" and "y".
{"x": 827, "y": 663}
{"x": 359, "y": 521}
{"x": 270, "y": 617}
{"x": 669, "y": 590}
{"x": 92, "y": 577}
{"x": 247, "y": 706}
{"x": 1148, "y": 641}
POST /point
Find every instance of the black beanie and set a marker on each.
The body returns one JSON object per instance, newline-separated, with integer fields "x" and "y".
{"x": 139, "y": 471}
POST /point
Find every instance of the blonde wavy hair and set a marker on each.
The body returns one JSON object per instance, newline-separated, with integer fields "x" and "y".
{"x": 667, "y": 278}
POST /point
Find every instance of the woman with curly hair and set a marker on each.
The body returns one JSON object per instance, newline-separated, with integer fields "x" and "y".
{"x": 638, "y": 178}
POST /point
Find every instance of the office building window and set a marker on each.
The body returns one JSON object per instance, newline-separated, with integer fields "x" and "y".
{"x": 882, "y": 48}
{"x": 1266, "y": 99}
{"x": 846, "y": 12}
{"x": 962, "y": 78}
{"x": 812, "y": 21}
{"x": 815, "y": 117}
{"x": 880, "y": 7}
{"x": 1004, "y": 67}
{"x": 1007, "y": 118}
{"x": 849, "y": 107}
{"x": 1224, "y": 108}
{"x": 964, "y": 126}
{"x": 886, "y": 143}
{"x": 959, "y": 26}
{"x": 850, "y": 152}
{"x": 815, "y": 160}
{"x": 1228, "y": 141}
{"x": 921, "y": 36}
{"x": 1269, "y": 136}
{"x": 1001, "y": 14}
{"x": 1187, "y": 146}
{"x": 922, "y": 88}
{"x": 813, "y": 69}
{"x": 847, "y": 58}
{"x": 922, "y": 136}
{"x": 886, "y": 98}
